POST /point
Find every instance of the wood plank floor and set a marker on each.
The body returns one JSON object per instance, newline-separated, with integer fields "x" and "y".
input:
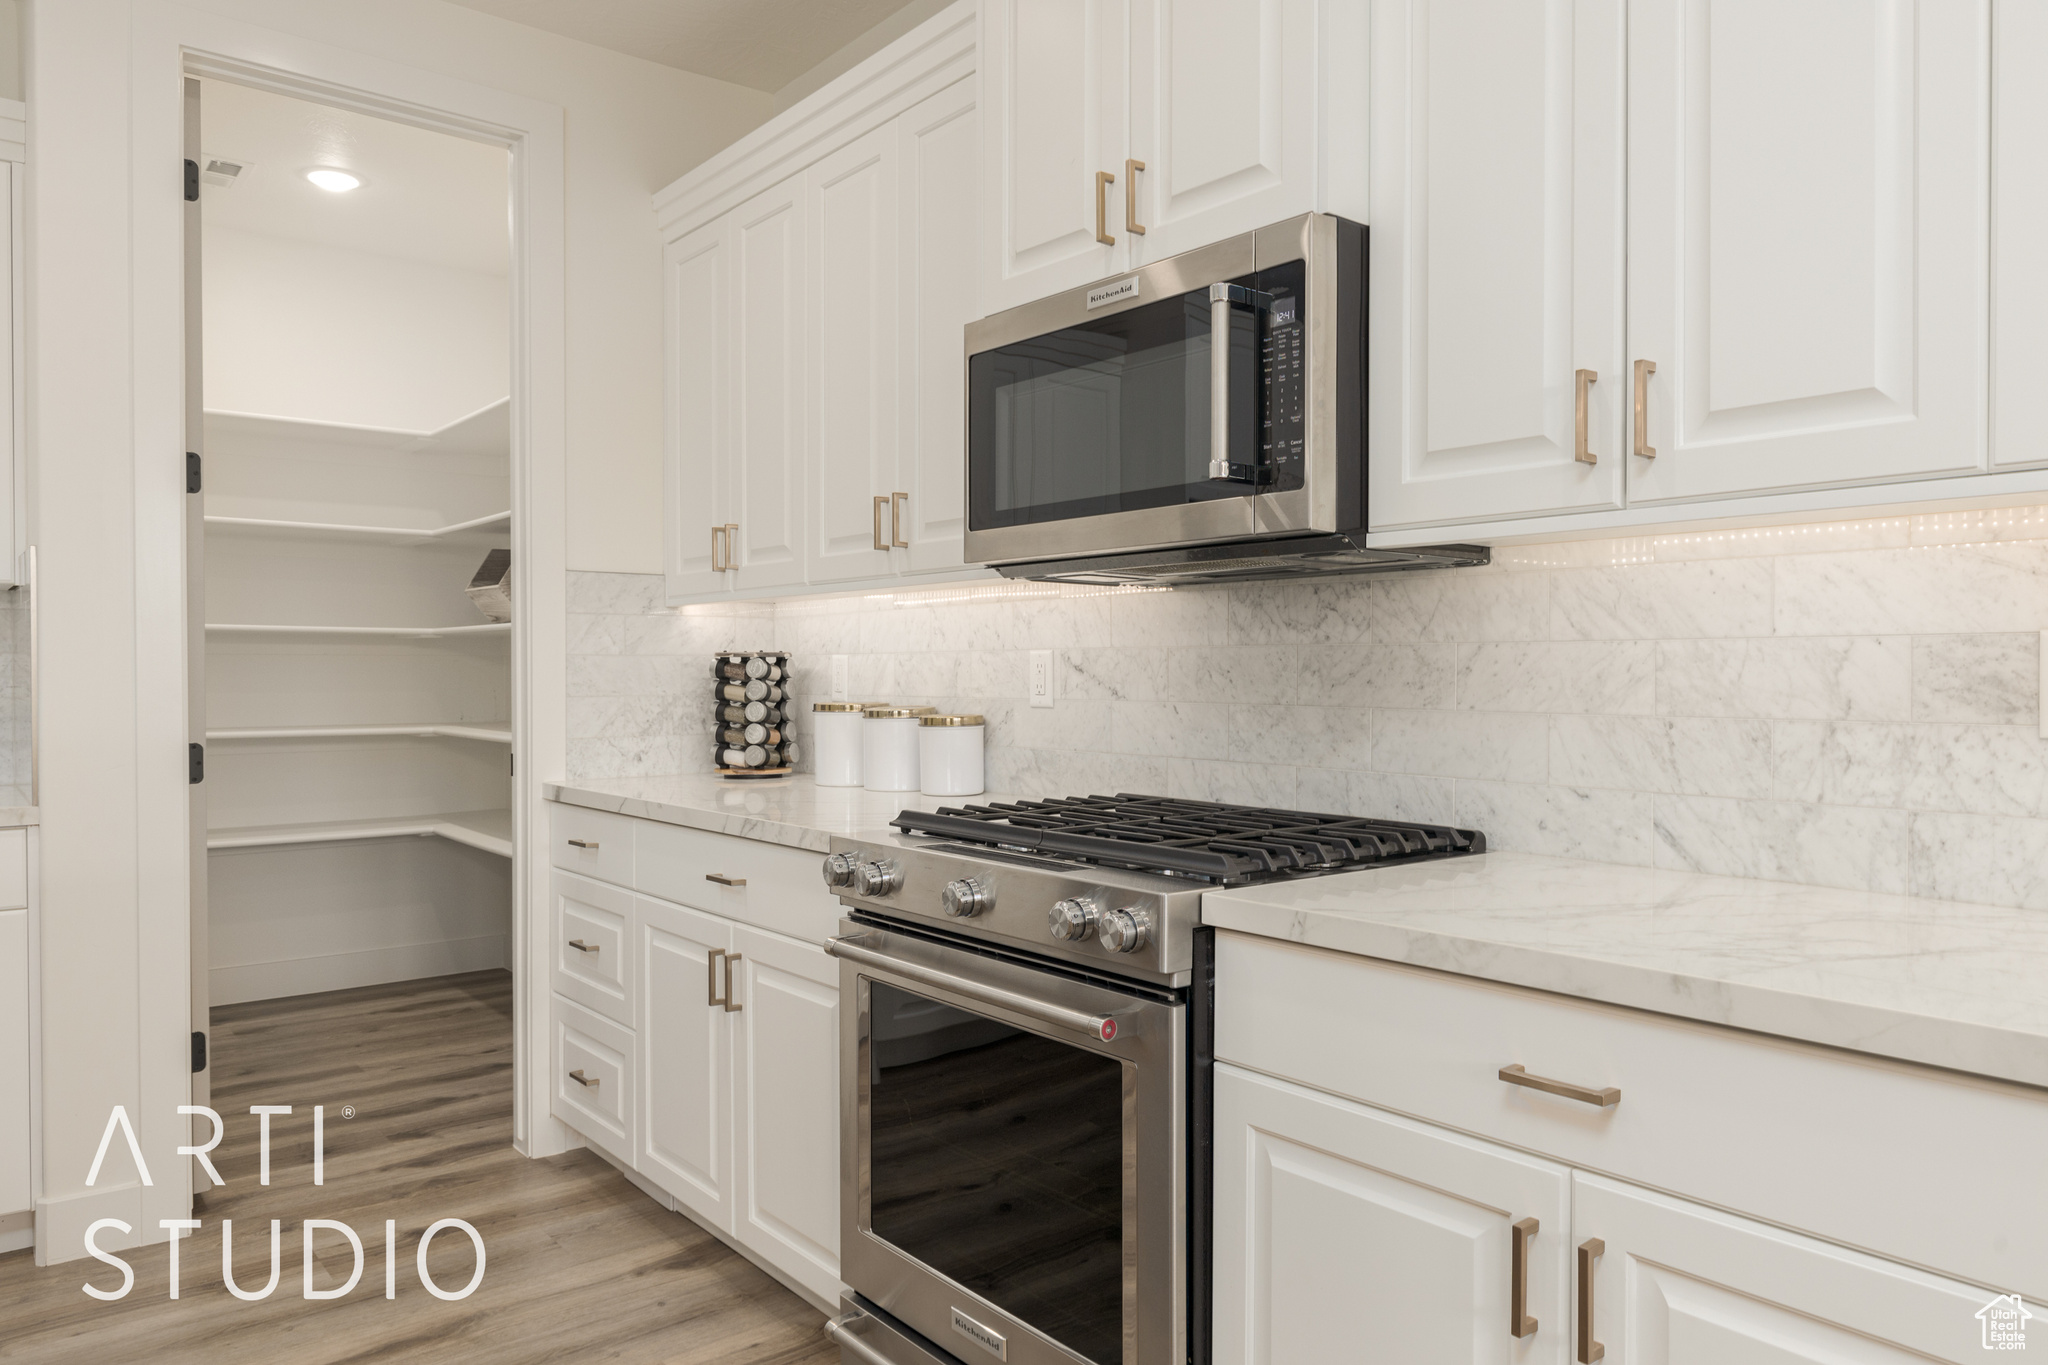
{"x": 580, "y": 1265}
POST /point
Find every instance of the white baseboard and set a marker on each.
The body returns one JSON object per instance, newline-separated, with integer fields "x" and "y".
{"x": 17, "y": 1230}
{"x": 365, "y": 967}
{"x": 60, "y": 1223}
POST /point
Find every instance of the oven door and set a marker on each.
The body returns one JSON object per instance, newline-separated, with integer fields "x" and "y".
{"x": 1093, "y": 416}
{"x": 1013, "y": 1155}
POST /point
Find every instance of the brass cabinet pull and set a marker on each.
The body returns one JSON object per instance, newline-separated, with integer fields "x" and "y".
{"x": 1644, "y": 369}
{"x": 711, "y": 969}
{"x": 718, "y": 549}
{"x": 899, "y": 503}
{"x": 580, "y": 946}
{"x": 587, "y": 1082}
{"x": 1103, "y": 180}
{"x": 732, "y": 538}
{"x": 1520, "y": 1324}
{"x": 723, "y": 880}
{"x": 1131, "y": 223}
{"x": 880, "y": 499}
{"x": 590, "y": 844}
{"x": 1581, "y": 415}
{"x": 731, "y": 1006}
{"x": 1590, "y": 1250}
{"x": 1605, "y": 1098}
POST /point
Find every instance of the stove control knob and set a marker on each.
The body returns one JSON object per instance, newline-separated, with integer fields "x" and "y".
{"x": 1126, "y": 931}
{"x": 967, "y": 897}
{"x": 1073, "y": 920}
{"x": 878, "y": 878}
{"x": 839, "y": 869}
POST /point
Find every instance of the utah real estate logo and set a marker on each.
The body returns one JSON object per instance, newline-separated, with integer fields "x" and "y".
{"x": 2005, "y": 1321}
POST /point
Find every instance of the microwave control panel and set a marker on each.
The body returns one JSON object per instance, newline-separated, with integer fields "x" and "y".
{"x": 1283, "y": 376}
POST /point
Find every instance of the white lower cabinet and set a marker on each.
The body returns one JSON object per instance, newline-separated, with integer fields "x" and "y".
{"x": 685, "y": 1139}
{"x": 1677, "y": 1283}
{"x": 593, "y": 1078}
{"x": 785, "y": 1105}
{"x": 1347, "y": 1234}
{"x": 16, "y": 1193}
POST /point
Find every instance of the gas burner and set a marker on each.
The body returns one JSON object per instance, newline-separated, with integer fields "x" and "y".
{"x": 1223, "y": 845}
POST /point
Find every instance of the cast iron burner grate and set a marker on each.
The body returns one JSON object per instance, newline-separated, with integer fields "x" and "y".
{"x": 1224, "y": 844}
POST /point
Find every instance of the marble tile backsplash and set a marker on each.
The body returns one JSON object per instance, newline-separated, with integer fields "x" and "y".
{"x": 1852, "y": 704}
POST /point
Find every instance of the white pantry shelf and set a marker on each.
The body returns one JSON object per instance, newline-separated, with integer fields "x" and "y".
{"x": 496, "y": 526}
{"x": 489, "y": 830}
{"x": 490, "y": 732}
{"x": 414, "y": 632}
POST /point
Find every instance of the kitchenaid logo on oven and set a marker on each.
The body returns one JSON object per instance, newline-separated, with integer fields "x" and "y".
{"x": 2005, "y": 1321}
{"x": 986, "y": 1338}
{"x": 117, "y": 1122}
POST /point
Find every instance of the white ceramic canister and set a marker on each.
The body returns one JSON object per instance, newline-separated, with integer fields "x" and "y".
{"x": 888, "y": 749}
{"x": 836, "y": 742}
{"x": 949, "y": 755}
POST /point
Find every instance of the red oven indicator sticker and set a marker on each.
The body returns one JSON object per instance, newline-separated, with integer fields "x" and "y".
{"x": 1108, "y": 1029}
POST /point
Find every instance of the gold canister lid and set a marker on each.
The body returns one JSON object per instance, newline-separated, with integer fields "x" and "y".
{"x": 889, "y": 713}
{"x": 951, "y": 720}
{"x": 835, "y": 706}
{"x": 875, "y": 705}
{"x": 922, "y": 710}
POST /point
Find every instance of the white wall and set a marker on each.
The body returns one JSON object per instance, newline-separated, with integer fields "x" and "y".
{"x": 106, "y": 482}
{"x": 295, "y": 329}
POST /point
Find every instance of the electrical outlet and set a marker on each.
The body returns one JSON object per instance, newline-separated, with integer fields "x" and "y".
{"x": 839, "y": 678}
{"x": 1041, "y": 677}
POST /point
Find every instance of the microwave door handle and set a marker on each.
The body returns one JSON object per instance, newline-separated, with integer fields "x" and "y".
{"x": 1221, "y": 297}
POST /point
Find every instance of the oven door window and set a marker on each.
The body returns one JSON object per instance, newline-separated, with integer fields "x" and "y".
{"x": 996, "y": 1157}
{"x": 1112, "y": 414}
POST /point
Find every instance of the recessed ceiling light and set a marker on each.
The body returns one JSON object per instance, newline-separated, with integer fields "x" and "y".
{"x": 333, "y": 181}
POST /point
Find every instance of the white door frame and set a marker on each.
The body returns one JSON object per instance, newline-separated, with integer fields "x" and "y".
{"x": 170, "y": 43}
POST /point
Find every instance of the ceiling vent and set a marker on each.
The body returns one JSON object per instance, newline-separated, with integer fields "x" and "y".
{"x": 220, "y": 172}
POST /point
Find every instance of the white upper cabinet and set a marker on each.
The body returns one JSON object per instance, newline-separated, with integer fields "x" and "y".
{"x": 850, "y": 211}
{"x": 1806, "y": 241}
{"x": 696, "y": 277}
{"x": 1496, "y": 270}
{"x": 1054, "y": 79}
{"x": 1223, "y": 121}
{"x": 1118, "y": 132}
{"x": 767, "y": 342}
{"x": 938, "y": 230}
{"x": 2019, "y": 205}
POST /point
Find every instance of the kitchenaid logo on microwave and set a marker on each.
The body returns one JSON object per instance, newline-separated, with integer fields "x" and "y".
{"x": 1103, "y": 295}
{"x": 117, "y": 1122}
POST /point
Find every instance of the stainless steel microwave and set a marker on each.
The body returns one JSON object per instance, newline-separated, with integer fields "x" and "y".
{"x": 1200, "y": 419}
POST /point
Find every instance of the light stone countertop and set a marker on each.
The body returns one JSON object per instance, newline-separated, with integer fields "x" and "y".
{"x": 1937, "y": 982}
{"x": 777, "y": 810}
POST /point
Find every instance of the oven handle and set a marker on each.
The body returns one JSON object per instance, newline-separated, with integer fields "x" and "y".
{"x": 1101, "y": 1026}
{"x": 1221, "y": 297}
{"x": 836, "y": 1331}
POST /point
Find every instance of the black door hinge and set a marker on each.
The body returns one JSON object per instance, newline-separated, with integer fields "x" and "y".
{"x": 191, "y": 182}
{"x": 191, "y": 471}
{"x": 195, "y": 766}
{"x": 512, "y": 760}
{"x": 198, "y": 1053}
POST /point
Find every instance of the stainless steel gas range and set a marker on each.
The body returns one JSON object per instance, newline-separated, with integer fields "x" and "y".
{"x": 1024, "y": 1069}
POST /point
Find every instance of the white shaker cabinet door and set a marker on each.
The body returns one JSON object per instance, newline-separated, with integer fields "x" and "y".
{"x": 685, "y": 1138}
{"x": 850, "y": 213}
{"x": 1496, "y": 266}
{"x": 1350, "y": 1234}
{"x": 768, "y": 321}
{"x": 1223, "y": 118}
{"x": 786, "y": 1106}
{"x": 697, "y": 393}
{"x": 1806, "y": 241}
{"x": 939, "y": 224}
{"x": 1054, "y": 80}
{"x": 1676, "y": 1283}
{"x": 2019, "y": 206}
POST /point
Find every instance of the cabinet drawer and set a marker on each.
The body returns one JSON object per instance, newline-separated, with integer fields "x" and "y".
{"x": 782, "y": 889}
{"x": 599, "y": 1105}
{"x": 595, "y": 843}
{"x": 593, "y": 946}
{"x": 1792, "y": 1133}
